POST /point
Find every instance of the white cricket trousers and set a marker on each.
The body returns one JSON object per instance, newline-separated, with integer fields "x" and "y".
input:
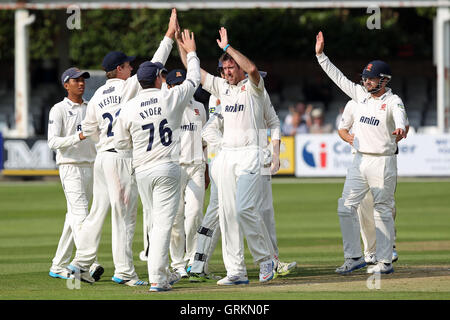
{"x": 114, "y": 187}
{"x": 209, "y": 231}
{"x": 183, "y": 240}
{"x": 159, "y": 188}
{"x": 377, "y": 174}
{"x": 76, "y": 180}
{"x": 267, "y": 211}
{"x": 239, "y": 187}
{"x": 367, "y": 224}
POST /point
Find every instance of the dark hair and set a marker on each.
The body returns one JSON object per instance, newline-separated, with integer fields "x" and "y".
{"x": 226, "y": 57}
{"x": 147, "y": 84}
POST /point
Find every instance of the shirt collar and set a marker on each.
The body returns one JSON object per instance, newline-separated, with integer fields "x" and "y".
{"x": 383, "y": 96}
{"x": 74, "y": 104}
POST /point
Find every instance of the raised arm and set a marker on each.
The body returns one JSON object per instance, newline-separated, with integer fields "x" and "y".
{"x": 248, "y": 66}
{"x": 183, "y": 55}
{"x": 165, "y": 47}
{"x": 350, "y": 88}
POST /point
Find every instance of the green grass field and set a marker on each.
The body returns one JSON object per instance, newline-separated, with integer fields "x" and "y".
{"x": 32, "y": 215}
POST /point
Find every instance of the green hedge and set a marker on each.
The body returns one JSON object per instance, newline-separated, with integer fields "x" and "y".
{"x": 259, "y": 33}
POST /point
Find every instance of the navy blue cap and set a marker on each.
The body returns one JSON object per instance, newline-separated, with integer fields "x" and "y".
{"x": 148, "y": 71}
{"x": 176, "y": 76}
{"x": 114, "y": 59}
{"x": 73, "y": 73}
{"x": 377, "y": 69}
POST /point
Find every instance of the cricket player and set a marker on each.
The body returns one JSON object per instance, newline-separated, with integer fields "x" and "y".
{"x": 365, "y": 208}
{"x": 192, "y": 180}
{"x": 240, "y": 162}
{"x": 75, "y": 157}
{"x": 114, "y": 180}
{"x": 210, "y": 231}
{"x": 150, "y": 124}
{"x": 212, "y": 133}
{"x": 380, "y": 117}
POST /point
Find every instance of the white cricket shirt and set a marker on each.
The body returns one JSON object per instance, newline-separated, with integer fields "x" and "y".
{"x": 150, "y": 123}
{"x": 242, "y": 110}
{"x": 64, "y": 127}
{"x": 191, "y": 143}
{"x": 105, "y": 106}
{"x": 374, "y": 118}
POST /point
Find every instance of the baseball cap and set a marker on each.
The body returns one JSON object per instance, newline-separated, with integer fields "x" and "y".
{"x": 148, "y": 71}
{"x": 73, "y": 73}
{"x": 377, "y": 69}
{"x": 114, "y": 59}
{"x": 176, "y": 76}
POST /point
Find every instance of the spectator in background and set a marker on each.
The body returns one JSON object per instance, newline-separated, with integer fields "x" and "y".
{"x": 318, "y": 125}
{"x": 298, "y": 120}
{"x": 319, "y": 89}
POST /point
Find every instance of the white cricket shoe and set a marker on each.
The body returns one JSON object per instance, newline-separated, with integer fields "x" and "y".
{"x": 182, "y": 272}
{"x": 159, "y": 287}
{"x": 233, "y": 280}
{"x": 266, "y": 272}
{"x": 130, "y": 282}
{"x": 381, "y": 268}
{"x": 394, "y": 254}
{"x": 77, "y": 273}
{"x": 284, "y": 268}
{"x": 174, "y": 277}
{"x": 350, "y": 265}
{"x": 61, "y": 274}
{"x": 370, "y": 259}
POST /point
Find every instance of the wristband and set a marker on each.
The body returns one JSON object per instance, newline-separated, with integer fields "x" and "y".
{"x": 226, "y": 47}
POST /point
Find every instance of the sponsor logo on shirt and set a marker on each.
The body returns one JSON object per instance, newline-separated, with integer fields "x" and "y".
{"x": 372, "y": 120}
{"x": 189, "y": 127}
{"x": 109, "y": 90}
{"x": 197, "y": 112}
{"x": 383, "y": 107}
{"x": 235, "y": 108}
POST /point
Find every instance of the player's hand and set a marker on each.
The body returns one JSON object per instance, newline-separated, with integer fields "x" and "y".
{"x": 188, "y": 41}
{"x": 320, "y": 43}
{"x": 173, "y": 24}
{"x": 275, "y": 166}
{"x": 400, "y": 133}
{"x": 81, "y": 136}
{"x": 351, "y": 138}
{"x": 222, "y": 43}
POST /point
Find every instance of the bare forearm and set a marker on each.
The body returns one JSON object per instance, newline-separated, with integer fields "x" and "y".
{"x": 276, "y": 146}
{"x": 345, "y": 135}
{"x": 246, "y": 64}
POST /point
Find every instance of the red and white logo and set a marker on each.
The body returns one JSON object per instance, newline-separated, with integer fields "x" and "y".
{"x": 383, "y": 107}
{"x": 197, "y": 112}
